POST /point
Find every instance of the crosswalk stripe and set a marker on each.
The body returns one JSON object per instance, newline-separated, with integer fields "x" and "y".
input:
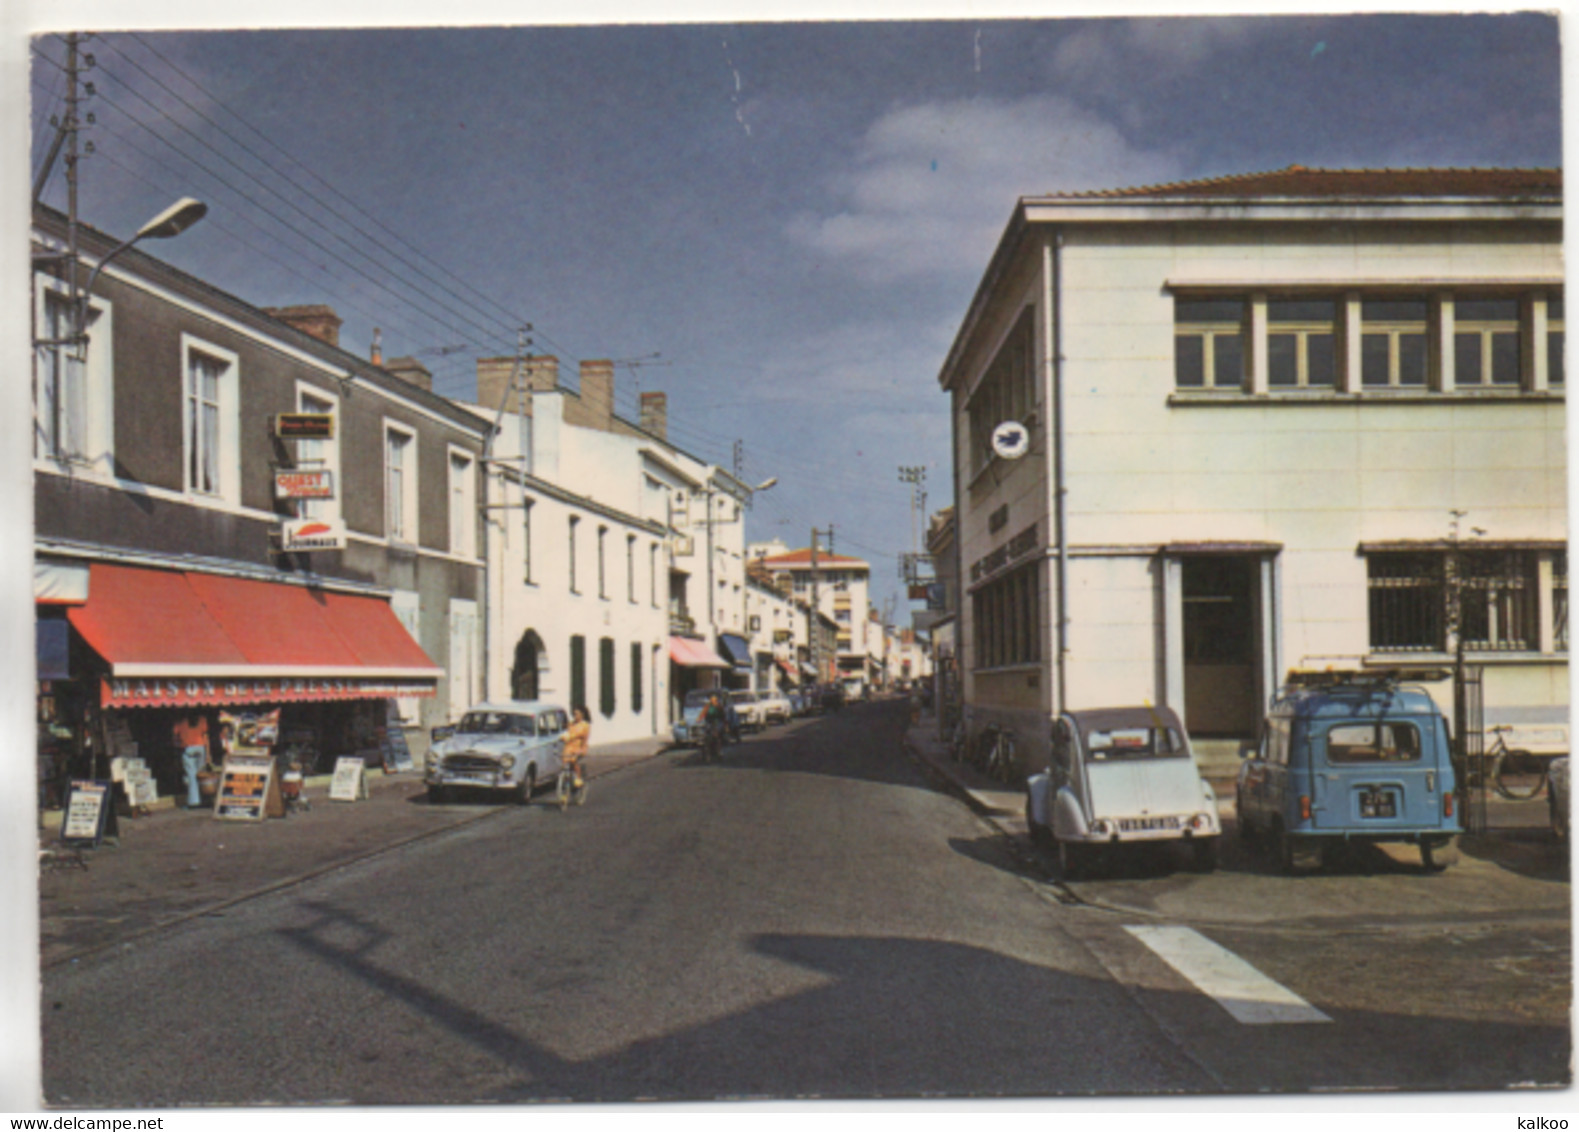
{"x": 1238, "y": 988}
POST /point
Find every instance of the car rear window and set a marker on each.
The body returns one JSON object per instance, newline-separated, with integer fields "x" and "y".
{"x": 1134, "y": 743}
{"x": 1373, "y": 743}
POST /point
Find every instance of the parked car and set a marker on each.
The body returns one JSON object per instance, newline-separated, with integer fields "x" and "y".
{"x": 775, "y": 706}
{"x": 1118, "y": 777}
{"x": 832, "y": 698}
{"x": 687, "y": 730}
{"x": 510, "y": 746}
{"x": 752, "y": 716}
{"x": 1350, "y": 757}
{"x": 1557, "y": 796}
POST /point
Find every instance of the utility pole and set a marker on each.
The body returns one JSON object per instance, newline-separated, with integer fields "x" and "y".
{"x": 916, "y": 476}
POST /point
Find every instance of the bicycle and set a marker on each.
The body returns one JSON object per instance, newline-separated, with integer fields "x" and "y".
{"x": 1516, "y": 774}
{"x": 566, "y": 791}
{"x": 712, "y": 743}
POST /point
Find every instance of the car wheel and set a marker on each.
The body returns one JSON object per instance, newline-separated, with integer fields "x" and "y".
{"x": 523, "y": 792}
{"x": 1559, "y": 816}
{"x": 437, "y": 795}
{"x": 1203, "y": 855}
{"x": 1247, "y": 832}
{"x": 1071, "y": 860}
{"x": 1437, "y": 855}
{"x": 1283, "y": 848}
{"x": 1040, "y": 834}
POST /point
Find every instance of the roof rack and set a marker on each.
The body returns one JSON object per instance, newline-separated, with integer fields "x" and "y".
{"x": 1363, "y": 679}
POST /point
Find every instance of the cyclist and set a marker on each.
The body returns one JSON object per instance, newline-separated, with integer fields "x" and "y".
{"x": 715, "y": 721}
{"x": 576, "y": 743}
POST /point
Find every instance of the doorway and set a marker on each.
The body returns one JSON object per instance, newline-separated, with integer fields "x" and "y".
{"x": 1221, "y": 645}
{"x": 525, "y": 674}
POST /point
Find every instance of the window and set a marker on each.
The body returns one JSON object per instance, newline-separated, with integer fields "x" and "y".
{"x": 1007, "y": 391}
{"x": 1486, "y": 341}
{"x": 319, "y": 455}
{"x": 465, "y": 655}
{"x": 1007, "y": 620}
{"x": 603, "y": 573}
{"x": 1373, "y": 742}
{"x": 400, "y": 483}
{"x": 1499, "y": 600}
{"x": 73, "y": 386}
{"x": 606, "y": 676}
{"x": 1408, "y": 602}
{"x": 1393, "y": 342}
{"x": 575, "y": 522}
{"x": 463, "y": 504}
{"x": 630, "y": 569}
{"x": 1554, "y": 340}
{"x": 652, "y": 575}
{"x": 407, "y": 608}
{"x": 578, "y": 672}
{"x": 1208, "y": 343}
{"x": 211, "y": 430}
{"x": 1300, "y": 338}
{"x": 636, "y": 677}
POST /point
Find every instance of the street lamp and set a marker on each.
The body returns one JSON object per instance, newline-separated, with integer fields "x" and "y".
{"x": 171, "y": 222}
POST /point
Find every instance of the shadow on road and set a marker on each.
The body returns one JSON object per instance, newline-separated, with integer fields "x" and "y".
{"x": 902, "y": 1017}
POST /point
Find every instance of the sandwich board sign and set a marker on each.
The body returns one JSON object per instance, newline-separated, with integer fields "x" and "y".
{"x": 89, "y": 813}
{"x": 349, "y": 783}
{"x": 248, "y": 790}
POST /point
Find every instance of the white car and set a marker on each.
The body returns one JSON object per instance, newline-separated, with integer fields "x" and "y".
{"x": 510, "y": 746}
{"x": 1557, "y": 796}
{"x": 749, "y": 711}
{"x": 1117, "y": 777}
{"x": 776, "y": 707}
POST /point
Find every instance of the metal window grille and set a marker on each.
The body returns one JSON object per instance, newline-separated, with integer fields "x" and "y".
{"x": 1499, "y": 600}
{"x": 1407, "y": 602}
{"x": 1560, "y": 601}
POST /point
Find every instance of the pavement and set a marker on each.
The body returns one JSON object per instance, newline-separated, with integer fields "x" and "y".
{"x": 1516, "y": 869}
{"x": 171, "y": 864}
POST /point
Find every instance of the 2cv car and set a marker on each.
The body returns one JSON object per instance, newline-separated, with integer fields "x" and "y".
{"x": 1120, "y": 777}
{"x": 1350, "y": 757}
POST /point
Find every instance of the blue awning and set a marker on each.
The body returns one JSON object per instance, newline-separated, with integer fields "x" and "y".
{"x": 735, "y": 650}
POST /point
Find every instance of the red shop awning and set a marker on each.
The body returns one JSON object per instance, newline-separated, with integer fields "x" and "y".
{"x": 694, "y": 654}
{"x": 174, "y": 638}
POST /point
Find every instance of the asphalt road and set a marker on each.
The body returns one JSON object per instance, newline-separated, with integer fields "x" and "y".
{"x": 808, "y": 918}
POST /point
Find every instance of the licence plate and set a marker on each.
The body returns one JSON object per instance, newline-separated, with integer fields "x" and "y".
{"x": 1378, "y": 804}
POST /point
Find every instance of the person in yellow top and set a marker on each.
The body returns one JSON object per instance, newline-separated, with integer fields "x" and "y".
{"x": 576, "y": 736}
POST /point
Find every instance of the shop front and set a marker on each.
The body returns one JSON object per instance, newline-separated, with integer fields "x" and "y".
{"x": 159, "y": 662}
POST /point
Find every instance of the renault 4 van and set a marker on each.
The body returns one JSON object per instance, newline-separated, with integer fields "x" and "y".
{"x": 1350, "y": 757}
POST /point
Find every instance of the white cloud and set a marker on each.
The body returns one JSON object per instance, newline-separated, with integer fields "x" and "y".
{"x": 933, "y": 184}
{"x": 1110, "y": 54}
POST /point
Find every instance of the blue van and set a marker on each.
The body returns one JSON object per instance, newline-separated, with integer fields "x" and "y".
{"x": 1352, "y": 757}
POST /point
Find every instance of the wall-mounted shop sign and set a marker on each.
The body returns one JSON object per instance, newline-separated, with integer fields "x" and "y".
{"x": 1011, "y": 440}
{"x": 304, "y": 426}
{"x": 1010, "y": 552}
{"x": 312, "y": 534}
{"x": 314, "y": 483}
{"x": 218, "y": 691}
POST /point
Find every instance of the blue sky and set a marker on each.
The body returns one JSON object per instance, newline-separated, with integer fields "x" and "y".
{"x": 780, "y": 225}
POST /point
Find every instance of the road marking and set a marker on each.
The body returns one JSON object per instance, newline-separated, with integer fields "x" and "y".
{"x": 1238, "y": 988}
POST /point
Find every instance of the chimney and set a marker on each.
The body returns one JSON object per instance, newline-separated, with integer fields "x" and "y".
{"x": 411, "y": 371}
{"x": 377, "y": 356}
{"x": 316, "y": 319}
{"x": 493, "y": 378}
{"x": 597, "y": 393}
{"x": 655, "y": 414}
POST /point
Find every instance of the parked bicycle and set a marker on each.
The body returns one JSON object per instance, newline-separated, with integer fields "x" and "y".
{"x": 994, "y": 755}
{"x": 1516, "y": 774}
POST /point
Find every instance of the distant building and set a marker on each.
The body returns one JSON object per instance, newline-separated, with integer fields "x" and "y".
{"x": 842, "y": 585}
{"x": 1255, "y": 405}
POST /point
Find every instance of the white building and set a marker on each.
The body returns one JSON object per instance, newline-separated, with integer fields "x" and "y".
{"x": 1255, "y": 406}
{"x": 615, "y": 559}
{"x": 842, "y": 588}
